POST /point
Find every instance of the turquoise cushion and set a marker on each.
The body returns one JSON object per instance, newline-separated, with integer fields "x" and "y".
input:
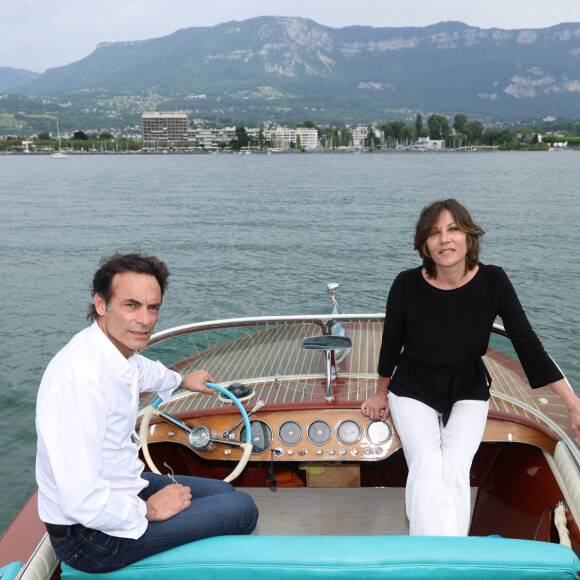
{"x": 369, "y": 557}
{"x": 10, "y": 571}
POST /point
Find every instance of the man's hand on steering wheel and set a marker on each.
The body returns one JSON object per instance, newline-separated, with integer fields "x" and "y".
{"x": 195, "y": 382}
{"x": 192, "y": 383}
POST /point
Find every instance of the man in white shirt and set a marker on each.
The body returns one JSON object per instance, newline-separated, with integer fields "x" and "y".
{"x": 101, "y": 510}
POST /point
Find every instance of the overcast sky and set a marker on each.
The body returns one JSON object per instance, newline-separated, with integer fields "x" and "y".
{"x": 40, "y": 34}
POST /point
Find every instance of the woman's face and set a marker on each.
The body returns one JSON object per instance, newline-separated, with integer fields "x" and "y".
{"x": 447, "y": 244}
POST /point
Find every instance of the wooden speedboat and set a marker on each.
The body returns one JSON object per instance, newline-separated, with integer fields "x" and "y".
{"x": 329, "y": 483}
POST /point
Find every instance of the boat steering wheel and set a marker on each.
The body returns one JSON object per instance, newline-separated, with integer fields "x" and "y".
{"x": 153, "y": 411}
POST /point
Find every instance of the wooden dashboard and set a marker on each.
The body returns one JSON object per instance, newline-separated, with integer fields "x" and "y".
{"x": 318, "y": 435}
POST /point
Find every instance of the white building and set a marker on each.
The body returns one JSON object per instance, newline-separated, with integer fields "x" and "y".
{"x": 360, "y": 136}
{"x": 210, "y": 138}
{"x": 308, "y": 138}
{"x": 426, "y": 144}
{"x": 286, "y": 138}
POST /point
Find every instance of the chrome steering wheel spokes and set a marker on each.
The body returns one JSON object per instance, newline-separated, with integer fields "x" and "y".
{"x": 200, "y": 438}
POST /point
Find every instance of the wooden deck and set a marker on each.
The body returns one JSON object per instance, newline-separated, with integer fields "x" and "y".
{"x": 269, "y": 358}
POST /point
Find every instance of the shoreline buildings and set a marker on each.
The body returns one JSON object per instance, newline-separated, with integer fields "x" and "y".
{"x": 173, "y": 127}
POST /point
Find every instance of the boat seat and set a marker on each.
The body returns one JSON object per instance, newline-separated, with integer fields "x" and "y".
{"x": 346, "y": 557}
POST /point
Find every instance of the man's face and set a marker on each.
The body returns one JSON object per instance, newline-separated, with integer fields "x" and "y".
{"x": 129, "y": 319}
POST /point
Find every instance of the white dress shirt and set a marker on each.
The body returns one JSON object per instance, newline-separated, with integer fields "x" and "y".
{"x": 87, "y": 465}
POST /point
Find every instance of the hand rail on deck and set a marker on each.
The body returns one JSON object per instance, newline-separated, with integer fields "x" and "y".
{"x": 164, "y": 334}
{"x": 498, "y": 329}
{"x": 566, "y": 439}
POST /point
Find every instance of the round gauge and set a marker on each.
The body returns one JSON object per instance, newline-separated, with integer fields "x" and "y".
{"x": 290, "y": 433}
{"x": 261, "y": 436}
{"x": 200, "y": 438}
{"x": 379, "y": 432}
{"x": 348, "y": 432}
{"x": 319, "y": 432}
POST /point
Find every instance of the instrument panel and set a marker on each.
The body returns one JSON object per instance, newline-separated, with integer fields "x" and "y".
{"x": 299, "y": 435}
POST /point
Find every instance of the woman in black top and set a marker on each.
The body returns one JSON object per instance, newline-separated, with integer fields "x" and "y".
{"x": 431, "y": 375}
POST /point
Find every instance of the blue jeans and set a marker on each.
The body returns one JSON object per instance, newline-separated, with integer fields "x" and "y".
{"x": 216, "y": 509}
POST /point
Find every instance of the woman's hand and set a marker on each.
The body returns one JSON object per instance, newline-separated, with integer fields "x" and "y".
{"x": 575, "y": 423}
{"x": 376, "y": 407}
{"x": 572, "y": 401}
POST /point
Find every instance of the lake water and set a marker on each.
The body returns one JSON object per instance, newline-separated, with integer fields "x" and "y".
{"x": 260, "y": 235}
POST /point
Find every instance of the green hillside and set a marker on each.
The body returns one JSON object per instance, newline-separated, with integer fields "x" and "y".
{"x": 288, "y": 69}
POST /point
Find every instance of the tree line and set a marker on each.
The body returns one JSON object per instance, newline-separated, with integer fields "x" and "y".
{"x": 463, "y": 132}
{"x": 459, "y": 132}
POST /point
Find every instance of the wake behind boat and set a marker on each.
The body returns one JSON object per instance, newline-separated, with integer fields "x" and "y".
{"x": 329, "y": 483}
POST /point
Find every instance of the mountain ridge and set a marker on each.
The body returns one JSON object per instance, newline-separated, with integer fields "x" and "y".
{"x": 273, "y": 68}
{"x": 13, "y": 77}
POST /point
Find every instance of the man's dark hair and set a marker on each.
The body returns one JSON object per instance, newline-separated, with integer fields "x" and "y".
{"x": 118, "y": 263}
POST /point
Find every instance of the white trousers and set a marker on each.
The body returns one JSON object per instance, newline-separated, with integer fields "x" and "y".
{"x": 438, "y": 498}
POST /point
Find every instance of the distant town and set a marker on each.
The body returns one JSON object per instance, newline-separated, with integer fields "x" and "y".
{"x": 170, "y": 132}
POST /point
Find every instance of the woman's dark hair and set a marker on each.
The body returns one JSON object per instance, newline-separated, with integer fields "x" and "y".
{"x": 464, "y": 222}
{"x": 118, "y": 263}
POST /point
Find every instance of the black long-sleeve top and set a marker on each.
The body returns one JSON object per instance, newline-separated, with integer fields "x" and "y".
{"x": 444, "y": 334}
